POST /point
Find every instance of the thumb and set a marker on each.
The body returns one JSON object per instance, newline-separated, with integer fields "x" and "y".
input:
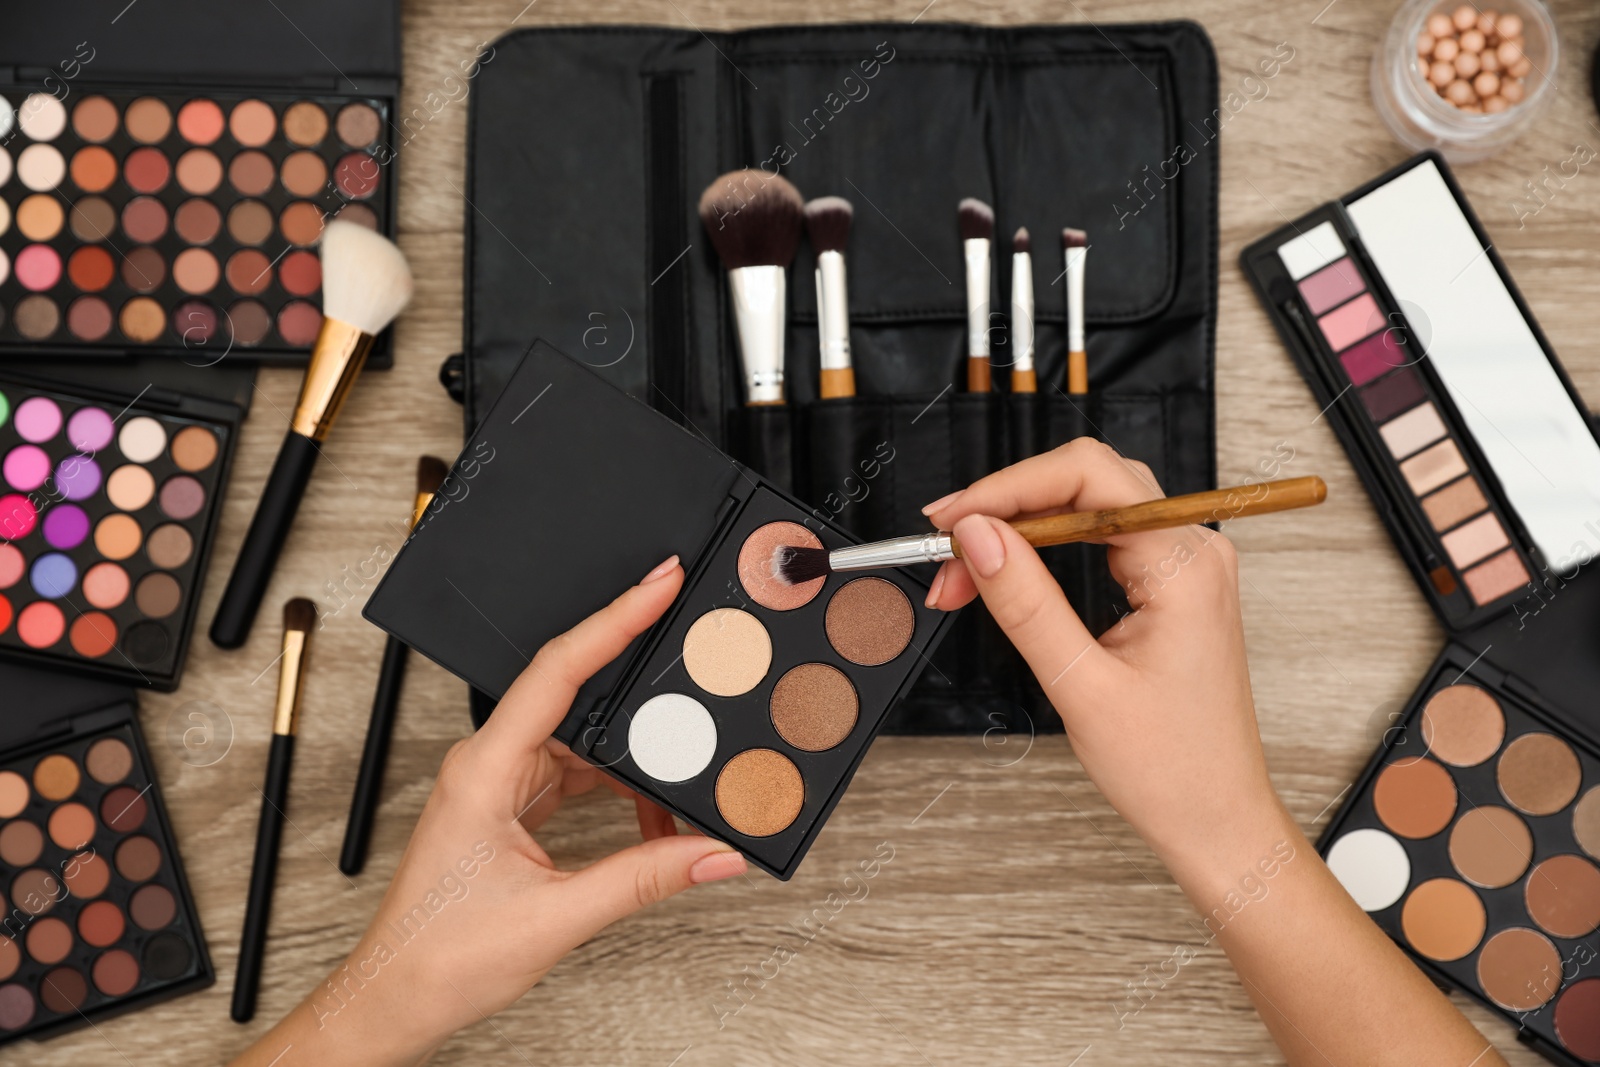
{"x": 645, "y": 874}
{"x": 1026, "y": 602}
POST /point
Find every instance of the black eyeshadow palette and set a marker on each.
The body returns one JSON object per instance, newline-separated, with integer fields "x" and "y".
{"x": 98, "y": 915}
{"x": 746, "y": 710}
{"x": 108, "y": 506}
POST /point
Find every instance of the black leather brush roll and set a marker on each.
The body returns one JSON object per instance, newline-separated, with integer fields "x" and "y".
{"x": 590, "y": 147}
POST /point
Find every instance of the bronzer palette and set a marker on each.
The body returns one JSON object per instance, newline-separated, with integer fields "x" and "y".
{"x": 1474, "y": 840}
{"x": 744, "y": 711}
{"x": 107, "y": 510}
{"x": 163, "y": 192}
{"x": 1456, "y": 412}
{"x": 99, "y": 918}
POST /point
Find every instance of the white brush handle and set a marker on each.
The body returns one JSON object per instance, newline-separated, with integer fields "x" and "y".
{"x": 759, "y": 303}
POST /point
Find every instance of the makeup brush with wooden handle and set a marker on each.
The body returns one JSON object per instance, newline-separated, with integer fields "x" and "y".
{"x": 797, "y": 565}
{"x": 365, "y": 284}
{"x": 977, "y": 235}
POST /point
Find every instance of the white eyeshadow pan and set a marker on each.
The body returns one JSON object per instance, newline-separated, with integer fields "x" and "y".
{"x": 1372, "y": 866}
{"x": 1311, "y": 251}
{"x": 672, "y": 737}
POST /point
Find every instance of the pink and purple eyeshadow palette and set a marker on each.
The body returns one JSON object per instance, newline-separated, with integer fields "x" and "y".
{"x": 107, "y": 509}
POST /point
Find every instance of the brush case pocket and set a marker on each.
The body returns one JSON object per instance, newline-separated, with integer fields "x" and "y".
{"x": 588, "y": 150}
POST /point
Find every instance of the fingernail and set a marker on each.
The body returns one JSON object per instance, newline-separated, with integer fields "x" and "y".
{"x": 943, "y": 502}
{"x": 981, "y": 546}
{"x": 933, "y": 591}
{"x": 717, "y": 866}
{"x": 663, "y": 569}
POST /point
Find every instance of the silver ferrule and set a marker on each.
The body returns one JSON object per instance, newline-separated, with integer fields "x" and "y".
{"x": 977, "y": 252}
{"x": 896, "y": 552}
{"x": 1075, "y": 265}
{"x": 1021, "y": 311}
{"x": 833, "y": 311}
{"x": 758, "y": 311}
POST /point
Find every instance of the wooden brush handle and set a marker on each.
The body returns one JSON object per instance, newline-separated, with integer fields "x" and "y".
{"x": 1214, "y": 505}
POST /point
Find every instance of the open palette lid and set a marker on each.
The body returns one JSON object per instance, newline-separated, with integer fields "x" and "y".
{"x": 570, "y": 492}
{"x": 312, "y": 43}
{"x": 40, "y": 704}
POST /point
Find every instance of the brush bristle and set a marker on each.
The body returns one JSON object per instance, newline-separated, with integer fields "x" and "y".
{"x": 1021, "y": 242}
{"x": 366, "y": 281}
{"x": 753, "y": 218}
{"x": 299, "y": 614}
{"x": 797, "y": 565}
{"x": 1071, "y": 238}
{"x": 977, "y": 220}
{"x": 828, "y": 223}
{"x": 431, "y": 473}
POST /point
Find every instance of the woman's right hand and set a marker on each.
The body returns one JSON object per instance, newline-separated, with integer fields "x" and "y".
{"x": 1159, "y": 709}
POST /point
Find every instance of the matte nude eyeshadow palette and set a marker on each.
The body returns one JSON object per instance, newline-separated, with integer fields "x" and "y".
{"x": 1473, "y": 839}
{"x": 746, "y": 709}
{"x": 98, "y": 918}
{"x": 184, "y": 224}
{"x": 107, "y": 510}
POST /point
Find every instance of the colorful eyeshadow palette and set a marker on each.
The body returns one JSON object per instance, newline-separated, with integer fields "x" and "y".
{"x": 107, "y": 509}
{"x": 746, "y": 710}
{"x": 181, "y": 224}
{"x": 1473, "y": 839}
{"x": 1452, "y": 405}
{"x": 98, "y": 915}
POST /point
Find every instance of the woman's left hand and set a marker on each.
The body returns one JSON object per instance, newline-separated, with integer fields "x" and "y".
{"x": 477, "y": 913}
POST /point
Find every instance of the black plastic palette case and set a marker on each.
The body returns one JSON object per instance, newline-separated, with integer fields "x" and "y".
{"x": 98, "y": 915}
{"x": 747, "y": 708}
{"x": 163, "y": 185}
{"x": 1453, "y": 407}
{"x": 108, "y": 506}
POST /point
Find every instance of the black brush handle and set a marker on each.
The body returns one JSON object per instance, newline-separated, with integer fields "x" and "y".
{"x": 263, "y": 873}
{"x": 374, "y": 757}
{"x": 252, "y": 570}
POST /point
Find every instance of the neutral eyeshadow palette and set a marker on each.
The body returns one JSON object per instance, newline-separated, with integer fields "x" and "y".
{"x": 1473, "y": 839}
{"x": 98, "y": 918}
{"x": 178, "y": 223}
{"x": 1451, "y": 403}
{"x": 108, "y": 505}
{"x": 746, "y": 710}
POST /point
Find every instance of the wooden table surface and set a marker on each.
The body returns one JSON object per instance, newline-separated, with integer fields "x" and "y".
{"x": 1018, "y": 907}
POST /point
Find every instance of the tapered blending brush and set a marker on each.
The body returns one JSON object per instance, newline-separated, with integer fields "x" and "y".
{"x": 1075, "y": 250}
{"x": 1023, "y": 377}
{"x": 977, "y": 235}
{"x": 431, "y": 473}
{"x": 299, "y": 617}
{"x": 828, "y": 225}
{"x": 754, "y": 221}
{"x": 365, "y": 284}
{"x": 798, "y": 565}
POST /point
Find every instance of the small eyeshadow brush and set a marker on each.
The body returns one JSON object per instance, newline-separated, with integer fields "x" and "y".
{"x": 299, "y": 616}
{"x": 431, "y": 473}
{"x": 977, "y": 235}
{"x": 828, "y": 225}
{"x": 1075, "y": 251}
{"x": 365, "y": 284}
{"x": 798, "y": 565}
{"x": 754, "y": 221}
{"x": 1023, "y": 377}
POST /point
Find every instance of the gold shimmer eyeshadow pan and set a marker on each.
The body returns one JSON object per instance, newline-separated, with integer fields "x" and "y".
{"x": 97, "y": 914}
{"x": 156, "y": 222}
{"x": 1472, "y": 840}
{"x": 107, "y": 509}
{"x": 744, "y": 711}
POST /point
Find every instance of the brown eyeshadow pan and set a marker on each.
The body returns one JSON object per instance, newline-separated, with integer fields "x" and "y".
{"x": 870, "y": 621}
{"x": 814, "y": 707}
{"x": 1444, "y": 919}
{"x": 1519, "y": 969}
{"x": 1415, "y": 797}
{"x": 1563, "y": 896}
{"x": 1463, "y": 725}
{"x": 1539, "y": 774}
{"x": 756, "y": 561}
{"x": 760, "y": 792}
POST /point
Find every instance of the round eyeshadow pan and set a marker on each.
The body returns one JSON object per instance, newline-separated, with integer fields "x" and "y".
{"x": 42, "y": 116}
{"x": 101, "y": 924}
{"x": 301, "y": 224}
{"x": 148, "y": 120}
{"x": 92, "y": 218}
{"x": 249, "y": 222}
{"x": 146, "y": 170}
{"x": 41, "y": 167}
{"x": 109, "y": 760}
{"x": 123, "y": 809}
{"x": 63, "y": 990}
{"x": 814, "y": 707}
{"x": 300, "y": 273}
{"x": 142, "y": 439}
{"x": 1519, "y": 969}
{"x": 90, "y": 429}
{"x": 200, "y": 121}
{"x": 1539, "y": 774}
{"x": 115, "y": 973}
{"x": 96, "y": 119}
{"x": 87, "y": 875}
{"x": 11, "y": 567}
{"x": 1373, "y": 867}
{"x": 93, "y": 169}
{"x": 672, "y": 737}
{"x": 118, "y": 536}
{"x": 40, "y": 217}
{"x": 26, "y": 467}
{"x": 182, "y": 497}
{"x": 358, "y": 125}
{"x": 1563, "y": 896}
{"x": 167, "y": 956}
{"x": 869, "y": 621}
{"x": 49, "y": 940}
{"x": 197, "y": 221}
{"x": 18, "y": 517}
{"x": 130, "y": 487}
{"x": 361, "y": 215}
{"x": 158, "y": 594}
{"x": 17, "y": 1007}
{"x": 303, "y": 173}
{"x": 66, "y": 526}
{"x": 1463, "y": 725}
{"x": 71, "y": 826}
{"x": 37, "y": 317}
{"x": 249, "y": 272}
{"x": 1415, "y": 797}
{"x": 142, "y": 319}
{"x": 38, "y": 267}
{"x": 194, "y": 448}
{"x": 143, "y": 271}
{"x": 14, "y": 794}
{"x": 1443, "y": 919}
{"x": 727, "y": 652}
{"x": 755, "y": 566}
{"x": 1577, "y": 1018}
{"x": 56, "y": 777}
{"x": 92, "y": 634}
{"x": 195, "y": 321}
{"x": 299, "y": 322}
{"x": 21, "y": 842}
{"x": 252, "y": 123}
{"x": 138, "y": 859}
{"x": 41, "y": 624}
{"x": 356, "y": 175}
{"x": 170, "y": 546}
{"x": 1585, "y": 819}
{"x": 152, "y": 907}
{"x": 53, "y": 575}
{"x": 77, "y": 477}
{"x": 760, "y": 792}
{"x": 106, "y": 585}
{"x": 252, "y": 173}
{"x": 305, "y": 123}
{"x": 144, "y": 219}
{"x": 199, "y": 171}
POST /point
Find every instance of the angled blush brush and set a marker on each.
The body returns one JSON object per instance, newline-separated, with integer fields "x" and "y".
{"x": 798, "y": 565}
{"x": 977, "y": 235}
{"x": 828, "y": 221}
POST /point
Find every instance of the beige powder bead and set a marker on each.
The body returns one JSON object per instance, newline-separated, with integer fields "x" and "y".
{"x": 1441, "y": 74}
{"x": 1425, "y": 43}
{"x": 1486, "y": 84}
{"x": 1460, "y": 93}
{"x": 1467, "y": 64}
{"x": 1509, "y": 26}
{"x": 1440, "y": 26}
{"x": 1489, "y": 60}
{"x": 1472, "y": 41}
{"x": 1512, "y": 91}
{"x": 1465, "y": 17}
{"x": 1494, "y": 105}
{"x": 1446, "y": 50}
{"x": 1521, "y": 68}
{"x": 1509, "y": 52}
